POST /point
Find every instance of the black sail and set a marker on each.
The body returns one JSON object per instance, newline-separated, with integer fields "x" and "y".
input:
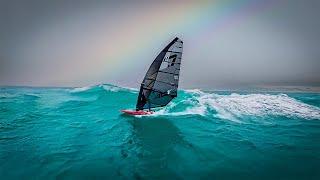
{"x": 160, "y": 83}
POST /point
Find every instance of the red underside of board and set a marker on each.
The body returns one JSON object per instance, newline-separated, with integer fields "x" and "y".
{"x": 134, "y": 112}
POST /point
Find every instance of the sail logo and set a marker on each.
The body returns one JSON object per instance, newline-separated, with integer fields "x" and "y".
{"x": 173, "y": 57}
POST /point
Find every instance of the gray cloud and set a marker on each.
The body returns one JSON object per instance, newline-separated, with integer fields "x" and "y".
{"x": 279, "y": 45}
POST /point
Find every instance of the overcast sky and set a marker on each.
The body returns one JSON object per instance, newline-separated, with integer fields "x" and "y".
{"x": 226, "y": 43}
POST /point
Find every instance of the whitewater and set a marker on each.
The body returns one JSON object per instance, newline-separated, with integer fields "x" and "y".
{"x": 68, "y": 133}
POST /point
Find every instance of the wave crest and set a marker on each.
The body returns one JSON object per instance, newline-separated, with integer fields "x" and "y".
{"x": 232, "y": 106}
{"x": 106, "y": 87}
{"x": 81, "y": 89}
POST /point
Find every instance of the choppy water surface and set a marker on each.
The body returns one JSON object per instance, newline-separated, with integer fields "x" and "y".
{"x": 79, "y": 133}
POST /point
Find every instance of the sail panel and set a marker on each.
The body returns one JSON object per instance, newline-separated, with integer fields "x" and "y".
{"x": 158, "y": 100}
{"x": 168, "y": 78}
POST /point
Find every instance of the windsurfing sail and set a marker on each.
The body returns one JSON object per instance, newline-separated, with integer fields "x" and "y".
{"x": 160, "y": 83}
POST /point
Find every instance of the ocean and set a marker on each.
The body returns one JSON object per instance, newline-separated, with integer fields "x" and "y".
{"x": 79, "y": 133}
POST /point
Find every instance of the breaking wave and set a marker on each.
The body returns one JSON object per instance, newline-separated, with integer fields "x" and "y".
{"x": 235, "y": 105}
{"x": 81, "y": 89}
{"x": 224, "y": 106}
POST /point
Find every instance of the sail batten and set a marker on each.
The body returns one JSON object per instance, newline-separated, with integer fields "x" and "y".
{"x": 160, "y": 83}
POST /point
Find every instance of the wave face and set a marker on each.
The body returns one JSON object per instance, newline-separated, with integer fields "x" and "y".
{"x": 76, "y": 133}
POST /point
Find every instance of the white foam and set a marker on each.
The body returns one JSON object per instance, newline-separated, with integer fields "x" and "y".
{"x": 235, "y": 105}
{"x": 81, "y": 89}
{"x": 193, "y": 110}
{"x": 131, "y": 89}
{"x": 194, "y": 91}
{"x": 111, "y": 88}
{"x": 117, "y": 89}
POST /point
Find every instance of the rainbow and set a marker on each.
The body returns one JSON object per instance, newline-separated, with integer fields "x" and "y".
{"x": 152, "y": 26}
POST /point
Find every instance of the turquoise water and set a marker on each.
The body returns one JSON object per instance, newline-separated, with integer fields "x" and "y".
{"x": 68, "y": 133}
